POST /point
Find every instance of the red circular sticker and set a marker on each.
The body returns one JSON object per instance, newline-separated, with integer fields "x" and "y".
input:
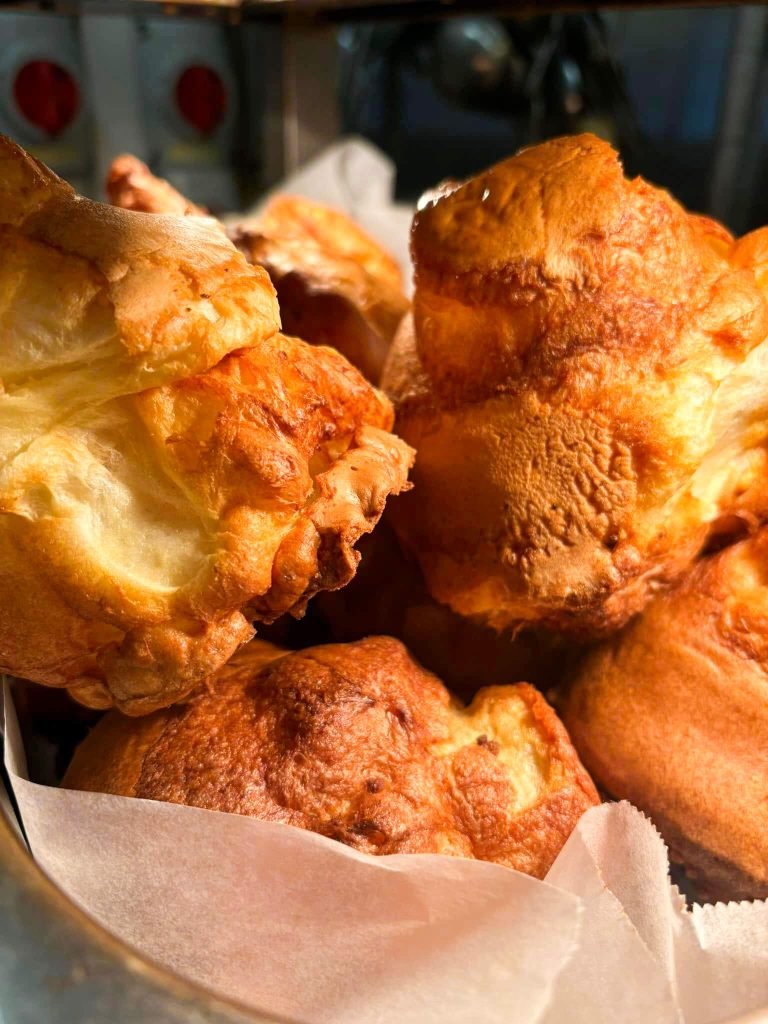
{"x": 47, "y": 95}
{"x": 201, "y": 97}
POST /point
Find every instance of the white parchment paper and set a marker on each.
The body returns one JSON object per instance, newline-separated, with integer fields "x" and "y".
{"x": 297, "y": 925}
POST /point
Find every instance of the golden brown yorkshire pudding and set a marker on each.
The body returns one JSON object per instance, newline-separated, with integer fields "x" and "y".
{"x": 358, "y": 743}
{"x": 584, "y": 379}
{"x": 673, "y": 715}
{"x": 170, "y": 466}
{"x": 336, "y": 286}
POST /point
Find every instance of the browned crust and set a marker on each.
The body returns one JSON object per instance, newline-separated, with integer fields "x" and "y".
{"x": 290, "y": 509}
{"x": 673, "y": 715}
{"x": 360, "y": 744}
{"x": 335, "y": 284}
{"x": 564, "y": 380}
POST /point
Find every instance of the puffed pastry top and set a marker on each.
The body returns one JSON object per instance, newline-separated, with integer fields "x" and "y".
{"x": 672, "y": 714}
{"x": 358, "y": 743}
{"x": 335, "y": 284}
{"x": 584, "y": 378}
{"x": 171, "y": 466}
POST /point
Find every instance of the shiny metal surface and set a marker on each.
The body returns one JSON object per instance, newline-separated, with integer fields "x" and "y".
{"x": 57, "y": 966}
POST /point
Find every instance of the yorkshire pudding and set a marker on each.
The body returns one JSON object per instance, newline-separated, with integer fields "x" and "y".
{"x": 171, "y": 467}
{"x": 585, "y": 378}
{"x": 672, "y": 714}
{"x": 358, "y": 743}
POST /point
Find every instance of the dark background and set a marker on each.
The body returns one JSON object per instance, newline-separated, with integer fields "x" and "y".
{"x": 682, "y": 92}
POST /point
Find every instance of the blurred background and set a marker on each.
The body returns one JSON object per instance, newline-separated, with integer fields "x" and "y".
{"x": 226, "y": 98}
